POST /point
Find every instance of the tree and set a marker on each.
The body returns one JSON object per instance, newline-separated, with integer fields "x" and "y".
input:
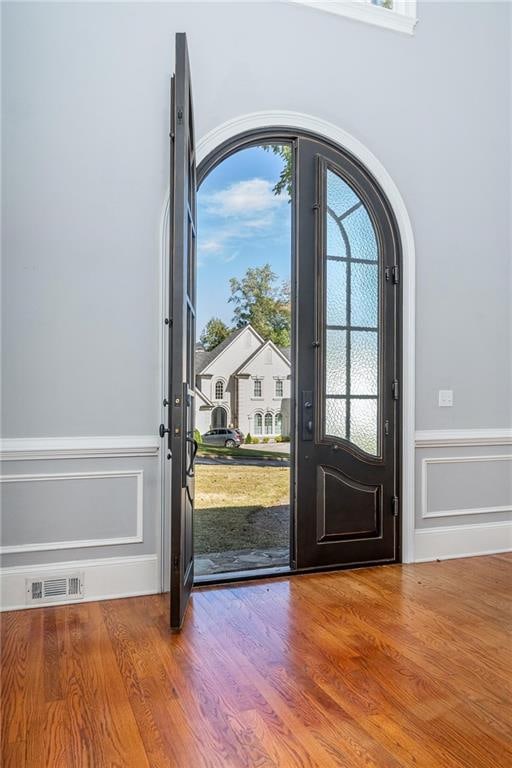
{"x": 260, "y": 301}
{"x": 213, "y": 333}
{"x": 284, "y": 183}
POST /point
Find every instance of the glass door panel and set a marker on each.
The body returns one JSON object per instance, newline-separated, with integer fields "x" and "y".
{"x": 351, "y": 325}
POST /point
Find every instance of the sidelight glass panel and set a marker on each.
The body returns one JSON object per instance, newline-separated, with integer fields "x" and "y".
{"x": 336, "y": 281}
{"x": 352, "y": 334}
{"x": 363, "y": 363}
{"x": 363, "y": 421}
{"x": 336, "y": 363}
{"x": 364, "y": 295}
{"x": 335, "y": 418}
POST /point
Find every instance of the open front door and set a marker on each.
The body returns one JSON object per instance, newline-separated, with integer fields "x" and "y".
{"x": 348, "y": 366}
{"x": 181, "y": 328}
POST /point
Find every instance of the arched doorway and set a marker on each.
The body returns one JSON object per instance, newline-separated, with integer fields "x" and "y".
{"x": 219, "y": 418}
{"x": 231, "y": 136}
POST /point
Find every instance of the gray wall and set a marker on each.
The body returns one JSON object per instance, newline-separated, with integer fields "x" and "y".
{"x": 85, "y": 163}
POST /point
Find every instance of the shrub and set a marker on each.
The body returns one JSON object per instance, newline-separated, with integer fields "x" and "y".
{"x": 197, "y": 436}
{"x": 248, "y": 439}
{"x": 285, "y": 438}
{"x": 255, "y": 440}
{"x": 279, "y": 439}
{"x": 266, "y": 439}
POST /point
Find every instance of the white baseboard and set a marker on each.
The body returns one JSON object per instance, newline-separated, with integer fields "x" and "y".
{"x": 447, "y": 542}
{"x": 105, "y": 579}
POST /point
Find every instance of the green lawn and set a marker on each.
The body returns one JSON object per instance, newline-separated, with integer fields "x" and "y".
{"x": 239, "y": 507}
{"x": 241, "y": 453}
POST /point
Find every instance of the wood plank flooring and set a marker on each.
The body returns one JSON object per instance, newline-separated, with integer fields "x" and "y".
{"x": 384, "y": 667}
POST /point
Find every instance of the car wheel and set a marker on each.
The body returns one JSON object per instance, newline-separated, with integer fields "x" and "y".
{"x": 230, "y": 443}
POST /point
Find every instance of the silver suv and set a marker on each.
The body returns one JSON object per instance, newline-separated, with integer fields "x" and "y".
{"x": 230, "y": 438}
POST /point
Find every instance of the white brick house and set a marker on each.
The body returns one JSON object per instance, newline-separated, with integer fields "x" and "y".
{"x": 245, "y": 383}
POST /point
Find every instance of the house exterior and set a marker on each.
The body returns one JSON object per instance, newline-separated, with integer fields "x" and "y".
{"x": 244, "y": 382}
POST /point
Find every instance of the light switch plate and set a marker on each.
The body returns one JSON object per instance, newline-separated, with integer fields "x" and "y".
{"x": 445, "y": 398}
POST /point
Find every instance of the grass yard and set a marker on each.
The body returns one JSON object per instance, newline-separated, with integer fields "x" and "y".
{"x": 239, "y": 507}
{"x": 241, "y": 453}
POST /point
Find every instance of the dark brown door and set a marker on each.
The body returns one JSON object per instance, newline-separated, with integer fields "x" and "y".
{"x": 347, "y": 364}
{"x": 181, "y": 329}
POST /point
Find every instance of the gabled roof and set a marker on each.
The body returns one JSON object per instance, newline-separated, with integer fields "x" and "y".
{"x": 260, "y": 349}
{"x": 206, "y": 400}
{"x": 205, "y": 358}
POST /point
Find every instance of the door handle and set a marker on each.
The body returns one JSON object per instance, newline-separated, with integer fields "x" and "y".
{"x": 162, "y": 430}
{"x": 307, "y": 415}
{"x": 195, "y": 447}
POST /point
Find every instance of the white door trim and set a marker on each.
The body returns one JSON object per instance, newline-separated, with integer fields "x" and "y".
{"x": 301, "y": 121}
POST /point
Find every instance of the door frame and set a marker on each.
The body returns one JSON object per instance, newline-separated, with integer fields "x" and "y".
{"x": 275, "y": 119}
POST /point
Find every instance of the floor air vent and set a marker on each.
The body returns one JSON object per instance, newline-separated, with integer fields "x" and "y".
{"x": 51, "y": 589}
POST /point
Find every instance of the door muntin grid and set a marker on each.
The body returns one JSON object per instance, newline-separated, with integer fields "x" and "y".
{"x": 351, "y": 325}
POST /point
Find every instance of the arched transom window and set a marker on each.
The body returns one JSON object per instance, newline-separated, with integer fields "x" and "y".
{"x": 219, "y": 390}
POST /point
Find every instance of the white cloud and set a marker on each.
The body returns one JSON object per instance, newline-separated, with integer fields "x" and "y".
{"x": 214, "y": 245}
{"x": 245, "y": 198}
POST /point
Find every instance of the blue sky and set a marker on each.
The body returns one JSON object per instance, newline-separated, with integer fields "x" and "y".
{"x": 241, "y": 224}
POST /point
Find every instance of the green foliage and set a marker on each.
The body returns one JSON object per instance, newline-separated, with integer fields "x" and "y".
{"x": 285, "y": 438}
{"x": 285, "y": 181}
{"x": 266, "y": 439}
{"x": 214, "y": 332}
{"x": 197, "y": 436}
{"x": 255, "y": 440}
{"x": 248, "y": 439}
{"x": 279, "y": 439}
{"x": 263, "y": 304}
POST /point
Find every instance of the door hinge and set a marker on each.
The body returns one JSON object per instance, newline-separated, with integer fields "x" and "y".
{"x": 395, "y": 506}
{"x": 393, "y": 274}
{"x": 176, "y": 562}
{"x": 386, "y": 427}
{"x": 396, "y": 389}
{"x": 180, "y": 115}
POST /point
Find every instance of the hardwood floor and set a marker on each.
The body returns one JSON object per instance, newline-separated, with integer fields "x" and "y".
{"x": 383, "y": 667}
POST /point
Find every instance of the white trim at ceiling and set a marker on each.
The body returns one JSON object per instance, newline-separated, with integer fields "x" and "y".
{"x": 301, "y": 121}
{"x": 401, "y": 18}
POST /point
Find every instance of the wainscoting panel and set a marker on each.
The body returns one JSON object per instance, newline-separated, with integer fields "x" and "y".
{"x": 466, "y": 485}
{"x": 463, "y": 493}
{"x": 86, "y": 504}
{"x": 80, "y": 509}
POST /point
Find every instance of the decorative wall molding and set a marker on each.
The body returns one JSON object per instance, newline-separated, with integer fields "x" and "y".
{"x": 105, "y": 579}
{"x": 451, "y": 541}
{"x": 137, "y": 538}
{"x": 37, "y": 448}
{"x": 301, "y": 121}
{"x": 402, "y": 18}
{"x": 457, "y": 460}
{"x": 447, "y": 438}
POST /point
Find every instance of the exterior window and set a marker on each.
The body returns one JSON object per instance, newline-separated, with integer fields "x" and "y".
{"x": 257, "y": 388}
{"x": 268, "y": 423}
{"x": 258, "y": 424}
{"x": 219, "y": 390}
{"x": 279, "y": 421}
{"x": 279, "y": 388}
{"x": 399, "y": 15}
